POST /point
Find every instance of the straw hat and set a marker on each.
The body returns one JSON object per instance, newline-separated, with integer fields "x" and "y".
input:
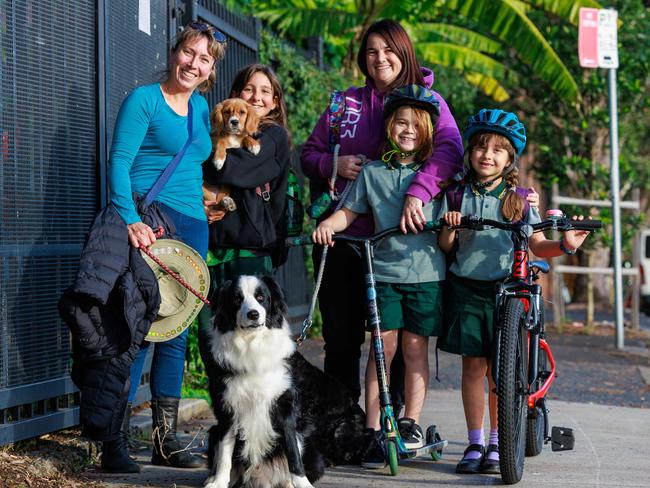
{"x": 178, "y": 306}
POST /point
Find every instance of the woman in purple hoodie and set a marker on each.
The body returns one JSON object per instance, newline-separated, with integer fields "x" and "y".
{"x": 387, "y": 58}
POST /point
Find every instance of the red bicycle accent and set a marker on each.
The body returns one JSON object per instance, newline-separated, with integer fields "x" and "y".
{"x": 541, "y": 393}
{"x": 520, "y": 265}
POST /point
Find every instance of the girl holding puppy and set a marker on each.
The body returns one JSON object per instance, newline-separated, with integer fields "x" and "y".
{"x": 244, "y": 241}
{"x": 489, "y": 190}
{"x": 409, "y": 269}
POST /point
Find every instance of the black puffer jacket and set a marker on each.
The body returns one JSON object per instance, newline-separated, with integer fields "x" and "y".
{"x": 109, "y": 309}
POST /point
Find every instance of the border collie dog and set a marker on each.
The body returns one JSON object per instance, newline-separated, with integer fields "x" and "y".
{"x": 260, "y": 439}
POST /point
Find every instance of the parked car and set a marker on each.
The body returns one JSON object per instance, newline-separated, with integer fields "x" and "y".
{"x": 644, "y": 269}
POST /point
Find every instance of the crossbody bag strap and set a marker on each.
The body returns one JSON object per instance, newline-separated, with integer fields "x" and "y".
{"x": 171, "y": 167}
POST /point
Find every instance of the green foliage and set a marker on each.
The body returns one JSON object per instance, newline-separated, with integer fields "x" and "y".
{"x": 306, "y": 88}
{"x": 195, "y": 381}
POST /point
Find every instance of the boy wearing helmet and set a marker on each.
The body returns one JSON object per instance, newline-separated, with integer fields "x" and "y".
{"x": 409, "y": 269}
{"x": 489, "y": 190}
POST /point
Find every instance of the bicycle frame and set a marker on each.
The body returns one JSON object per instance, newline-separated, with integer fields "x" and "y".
{"x": 519, "y": 285}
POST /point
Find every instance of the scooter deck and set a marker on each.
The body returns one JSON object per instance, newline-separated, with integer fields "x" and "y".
{"x": 424, "y": 450}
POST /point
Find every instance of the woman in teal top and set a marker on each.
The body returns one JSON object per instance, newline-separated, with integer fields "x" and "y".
{"x": 151, "y": 128}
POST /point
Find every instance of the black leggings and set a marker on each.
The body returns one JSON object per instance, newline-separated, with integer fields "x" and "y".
{"x": 342, "y": 302}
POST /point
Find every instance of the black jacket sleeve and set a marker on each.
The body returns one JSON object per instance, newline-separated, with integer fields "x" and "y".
{"x": 244, "y": 169}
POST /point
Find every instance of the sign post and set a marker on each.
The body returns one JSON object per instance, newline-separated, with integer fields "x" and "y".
{"x": 598, "y": 48}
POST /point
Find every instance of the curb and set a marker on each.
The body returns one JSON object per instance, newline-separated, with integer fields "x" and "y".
{"x": 189, "y": 408}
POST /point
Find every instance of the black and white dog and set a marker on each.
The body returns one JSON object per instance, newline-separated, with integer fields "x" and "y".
{"x": 268, "y": 434}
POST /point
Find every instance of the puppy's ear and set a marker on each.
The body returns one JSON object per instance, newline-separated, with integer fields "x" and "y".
{"x": 279, "y": 306}
{"x": 216, "y": 119}
{"x": 252, "y": 120}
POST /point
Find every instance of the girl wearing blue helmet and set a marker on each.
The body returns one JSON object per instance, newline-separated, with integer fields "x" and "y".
{"x": 496, "y": 139}
{"x": 409, "y": 269}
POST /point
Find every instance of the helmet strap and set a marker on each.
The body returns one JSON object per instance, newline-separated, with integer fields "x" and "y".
{"x": 396, "y": 153}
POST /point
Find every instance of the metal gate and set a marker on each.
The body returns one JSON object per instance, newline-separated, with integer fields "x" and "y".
{"x": 65, "y": 68}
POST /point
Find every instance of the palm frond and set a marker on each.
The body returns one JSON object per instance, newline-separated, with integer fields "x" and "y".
{"x": 566, "y": 9}
{"x": 488, "y": 85}
{"x": 506, "y": 22}
{"x": 432, "y": 32}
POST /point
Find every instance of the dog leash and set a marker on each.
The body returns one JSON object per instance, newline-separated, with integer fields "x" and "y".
{"x": 307, "y": 323}
{"x": 159, "y": 233}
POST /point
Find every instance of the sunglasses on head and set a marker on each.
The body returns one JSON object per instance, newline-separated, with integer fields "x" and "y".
{"x": 203, "y": 27}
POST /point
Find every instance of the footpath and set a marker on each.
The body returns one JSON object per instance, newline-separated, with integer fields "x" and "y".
{"x": 600, "y": 393}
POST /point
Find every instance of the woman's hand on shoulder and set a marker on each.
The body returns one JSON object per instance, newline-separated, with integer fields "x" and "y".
{"x": 140, "y": 235}
{"x": 413, "y": 218}
{"x": 532, "y": 198}
{"x": 349, "y": 166}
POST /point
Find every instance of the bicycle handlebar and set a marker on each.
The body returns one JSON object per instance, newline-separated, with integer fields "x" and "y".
{"x": 562, "y": 224}
{"x": 471, "y": 222}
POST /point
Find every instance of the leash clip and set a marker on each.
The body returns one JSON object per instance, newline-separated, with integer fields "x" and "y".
{"x": 306, "y": 325}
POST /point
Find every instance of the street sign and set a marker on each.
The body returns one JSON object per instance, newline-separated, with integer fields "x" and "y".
{"x": 607, "y": 38}
{"x": 598, "y": 38}
{"x": 588, "y": 38}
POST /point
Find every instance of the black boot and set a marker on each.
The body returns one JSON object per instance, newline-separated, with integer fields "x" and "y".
{"x": 115, "y": 454}
{"x": 167, "y": 449}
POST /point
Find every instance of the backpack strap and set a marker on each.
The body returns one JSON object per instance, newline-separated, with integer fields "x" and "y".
{"x": 335, "y": 116}
{"x": 264, "y": 191}
{"x": 454, "y": 195}
{"x": 523, "y": 194}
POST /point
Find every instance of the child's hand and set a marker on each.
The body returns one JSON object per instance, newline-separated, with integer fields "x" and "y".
{"x": 452, "y": 218}
{"x": 532, "y": 198}
{"x": 573, "y": 239}
{"x": 323, "y": 235}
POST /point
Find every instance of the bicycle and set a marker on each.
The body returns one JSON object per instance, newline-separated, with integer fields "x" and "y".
{"x": 525, "y": 367}
{"x": 395, "y": 448}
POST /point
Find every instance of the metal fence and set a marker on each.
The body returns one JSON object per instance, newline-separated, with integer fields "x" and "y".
{"x": 65, "y": 69}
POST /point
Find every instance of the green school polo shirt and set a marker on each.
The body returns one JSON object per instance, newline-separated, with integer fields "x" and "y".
{"x": 412, "y": 258}
{"x": 484, "y": 255}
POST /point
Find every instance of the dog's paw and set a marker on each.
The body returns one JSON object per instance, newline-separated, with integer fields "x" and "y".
{"x": 215, "y": 482}
{"x": 254, "y": 148}
{"x": 228, "y": 204}
{"x": 300, "y": 482}
{"x": 218, "y": 163}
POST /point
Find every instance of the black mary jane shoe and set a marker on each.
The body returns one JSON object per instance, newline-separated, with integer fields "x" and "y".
{"x": 490, "y": 466}
{"x": 471, "y": 466}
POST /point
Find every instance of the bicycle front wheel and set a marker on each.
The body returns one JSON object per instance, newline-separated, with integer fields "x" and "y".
{"x": 512, "y": 392}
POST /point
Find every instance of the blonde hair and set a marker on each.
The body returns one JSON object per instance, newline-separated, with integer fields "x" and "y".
{"x": 217, "y": 50}
{"x": 512, "y": 205}
{"x": 424, "y": 139}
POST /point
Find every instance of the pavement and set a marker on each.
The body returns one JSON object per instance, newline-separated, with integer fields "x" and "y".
{"x": 601, "y": 393}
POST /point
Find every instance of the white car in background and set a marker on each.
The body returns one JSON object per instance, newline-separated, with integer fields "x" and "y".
{"x": 644, "y": 265}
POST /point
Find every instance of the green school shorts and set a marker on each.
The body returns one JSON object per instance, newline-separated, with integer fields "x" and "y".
{"x": 416, "y": 307}
{"x": 468, "y": 317}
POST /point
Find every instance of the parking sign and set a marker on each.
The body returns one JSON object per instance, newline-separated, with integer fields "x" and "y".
{"x": 598, "y": 38}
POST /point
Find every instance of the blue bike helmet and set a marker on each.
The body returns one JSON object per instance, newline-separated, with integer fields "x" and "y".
{"x": 501, "y": 122}
{"x": 414, "y": 95}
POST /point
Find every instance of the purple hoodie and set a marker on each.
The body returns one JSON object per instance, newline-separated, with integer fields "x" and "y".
{"x": 362, "y": 132}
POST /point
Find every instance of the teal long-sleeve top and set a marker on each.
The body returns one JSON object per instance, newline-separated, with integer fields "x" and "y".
{"x": 148, "y": 134}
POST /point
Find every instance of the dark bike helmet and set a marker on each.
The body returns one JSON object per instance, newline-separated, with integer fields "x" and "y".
{"x": 414, "y": 95}
{"x": 501, "y": 122}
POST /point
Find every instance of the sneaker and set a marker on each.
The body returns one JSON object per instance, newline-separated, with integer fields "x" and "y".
{"x": 411, "y": 433}
{"x": 374, "y": 457}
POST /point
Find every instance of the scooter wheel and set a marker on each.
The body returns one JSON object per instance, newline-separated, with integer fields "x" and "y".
{"x": 391, "y": 453}
{"x": 432, "y": 437}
